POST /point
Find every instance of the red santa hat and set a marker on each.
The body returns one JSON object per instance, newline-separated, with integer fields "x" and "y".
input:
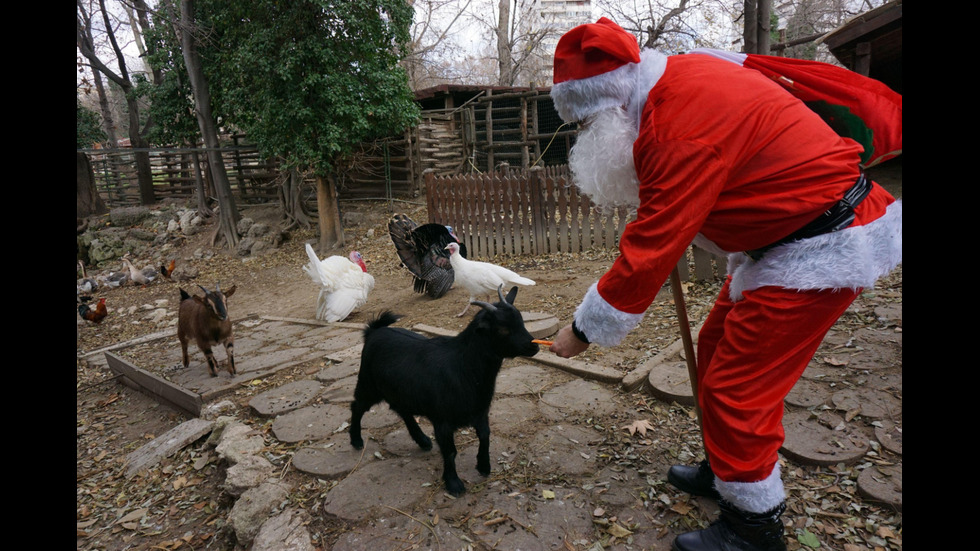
{"x": 595, "y": 68}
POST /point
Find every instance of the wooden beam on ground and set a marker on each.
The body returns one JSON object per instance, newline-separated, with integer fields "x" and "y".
{"x": 159, "y": 388}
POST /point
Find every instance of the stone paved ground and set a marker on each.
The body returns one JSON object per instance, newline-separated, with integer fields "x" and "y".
{"x": 555, "y": 478}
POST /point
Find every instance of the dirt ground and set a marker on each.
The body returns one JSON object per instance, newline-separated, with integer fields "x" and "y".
{"x": 187, "y": 508}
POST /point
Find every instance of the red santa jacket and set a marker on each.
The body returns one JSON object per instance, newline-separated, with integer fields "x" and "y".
{"x": 726, "y": 155}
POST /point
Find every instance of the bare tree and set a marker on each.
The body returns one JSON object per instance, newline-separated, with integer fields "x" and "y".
{"x": 662, "y": 24}
{"x": 435, "y": 39}
{"x": 86, "y": 46}
{"x": 519, "y": 36}
{"x": 805, "y": 21}
{"x": 228, "y": 211}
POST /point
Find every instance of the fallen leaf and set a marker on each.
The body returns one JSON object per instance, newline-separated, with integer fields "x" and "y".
{"x": 829, "y": 360}
{"x": 639, "y": 426}
{"x": 618, "y": 531}
{"x": 132, "y": 515}
{"x": 681, "y": 508}
{"x": 808, "y": 539}
{"x": 599, "y": 511}
{"x": 547, "y": 494}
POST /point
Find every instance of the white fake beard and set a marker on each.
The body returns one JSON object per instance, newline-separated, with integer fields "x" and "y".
{"x": 601, "y": 160}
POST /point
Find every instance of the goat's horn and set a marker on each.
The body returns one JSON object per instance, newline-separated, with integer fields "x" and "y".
{"x": 484, "y": 305}
{"x": 203, "y": 288}
{"x": 500, "y": 292}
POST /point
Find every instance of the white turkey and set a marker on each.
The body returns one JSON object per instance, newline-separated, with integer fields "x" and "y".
{"x": 422, "y": 249}
{"x": 344, "y": 284}
{"x": 481, "y": 278}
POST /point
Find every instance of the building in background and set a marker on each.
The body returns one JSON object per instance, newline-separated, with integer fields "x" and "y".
{"x": 557, "y": 16}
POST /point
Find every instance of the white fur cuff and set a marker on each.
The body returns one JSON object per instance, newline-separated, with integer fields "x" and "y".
{"x": 852, "y": 258}
{"x": 601, "y": 322}
{"x": 754, "y": 497}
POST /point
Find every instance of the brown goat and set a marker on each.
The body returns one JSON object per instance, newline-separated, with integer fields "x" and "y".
{"x": 205, "y": 319}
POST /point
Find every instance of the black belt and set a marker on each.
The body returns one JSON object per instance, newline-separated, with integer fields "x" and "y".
{"x": 835, "y": 218}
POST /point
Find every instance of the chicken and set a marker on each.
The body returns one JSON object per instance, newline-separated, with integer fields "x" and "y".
{"x": 94, "y": 315}
{"x": 168, "y": 270}
{"x": 481, "y": 278}
{"x": 422, "y": 249}
{"x": 344, "y": 284}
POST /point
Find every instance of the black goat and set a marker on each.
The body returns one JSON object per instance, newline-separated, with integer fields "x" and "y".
{"x": 449, "y": 380}
{"x": 205, "y": 319}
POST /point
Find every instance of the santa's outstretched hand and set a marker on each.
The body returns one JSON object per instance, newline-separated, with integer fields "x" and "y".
{"x": 566, "y": 344}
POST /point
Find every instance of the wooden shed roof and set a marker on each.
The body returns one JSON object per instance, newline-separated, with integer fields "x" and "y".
{"x": 876, "y": 34}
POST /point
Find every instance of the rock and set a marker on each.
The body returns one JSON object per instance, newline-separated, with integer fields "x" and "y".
{"x": 245, "y": 246}
{"x": 284, "y": 532}
{"x": 247, "y": 473}
{"x": 128, "y": 216}
{"x": 258, "y": 230}
{"x": 238, "y": 440}
{"x": 253, "y": 508}
{"x": 243, "y": 225}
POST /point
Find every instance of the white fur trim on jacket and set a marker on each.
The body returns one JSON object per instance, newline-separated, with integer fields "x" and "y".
{"x": 652, "y": 67}
{"x": 601, "y": 322}
{"x": 754, "y": 497}
{"x": 577, "y": 99}
{"x": 852, "y": 258}
{"x": 734, "y": 57}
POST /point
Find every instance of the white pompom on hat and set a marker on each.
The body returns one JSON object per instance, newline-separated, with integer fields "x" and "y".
{"x": 595, "y": 68}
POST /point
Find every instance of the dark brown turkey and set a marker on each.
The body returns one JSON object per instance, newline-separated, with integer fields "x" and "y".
{"x": 422, "y": 249}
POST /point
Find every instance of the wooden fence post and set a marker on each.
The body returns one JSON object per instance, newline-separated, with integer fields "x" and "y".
{"x": 538, "y": 221}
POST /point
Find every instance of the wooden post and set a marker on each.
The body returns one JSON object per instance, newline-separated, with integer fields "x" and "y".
{"x": 538, "y": 221}
{"x": 489, "y": 119}
{"x": 525, "y": 163}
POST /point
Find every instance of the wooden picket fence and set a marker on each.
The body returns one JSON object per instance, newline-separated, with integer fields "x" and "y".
{"x": 537, "y": 211}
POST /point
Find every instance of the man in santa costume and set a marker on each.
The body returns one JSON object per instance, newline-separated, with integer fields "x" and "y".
{"x": 715, "y": 153}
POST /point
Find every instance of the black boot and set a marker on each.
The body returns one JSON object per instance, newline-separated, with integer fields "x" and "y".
{"x": 698, "y": 481}
{"x": 737, "y": 530}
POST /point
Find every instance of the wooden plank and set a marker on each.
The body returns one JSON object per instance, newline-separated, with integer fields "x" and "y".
{"x": 562, "y": 212}
{"x": 159, "y": 388}
{"x": 703, "y": 269}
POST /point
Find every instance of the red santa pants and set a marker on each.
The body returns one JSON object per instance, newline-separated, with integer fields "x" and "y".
{"x": 750, "y": 354}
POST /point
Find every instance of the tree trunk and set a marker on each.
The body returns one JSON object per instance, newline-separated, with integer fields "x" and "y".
{"x": 108, "y": 122}
{"x": 83, "y": 37}
{"x": 762, "y": 36}
{"x": 203, "y": 208}
{"x": 88, "y": 200}
{"x": 750, "y": 18}
{"x": 291, "y": 199}
{"x": 505, "y": 59}
{"x": 227, "y": 210}
{"x": 331, "y": 227}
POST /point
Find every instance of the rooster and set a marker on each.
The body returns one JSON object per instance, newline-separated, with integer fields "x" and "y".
{"x": 168, "y": 270}
{"x": 481, "y": 278}
{"x": 344, "y": 284}
{"x": 94, "y": 315}
{"x": 422, "y": 249}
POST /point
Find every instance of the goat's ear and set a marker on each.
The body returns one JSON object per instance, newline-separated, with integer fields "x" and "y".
{"x": 230, "y": 291}
{"x": 511, "y": 295}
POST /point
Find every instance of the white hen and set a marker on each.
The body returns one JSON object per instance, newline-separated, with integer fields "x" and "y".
{"x": 481, "y": 278}
{"x": 344, "y": 284}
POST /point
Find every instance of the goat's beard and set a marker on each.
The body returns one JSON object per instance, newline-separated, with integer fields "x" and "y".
{"x": 601, "y": 160}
